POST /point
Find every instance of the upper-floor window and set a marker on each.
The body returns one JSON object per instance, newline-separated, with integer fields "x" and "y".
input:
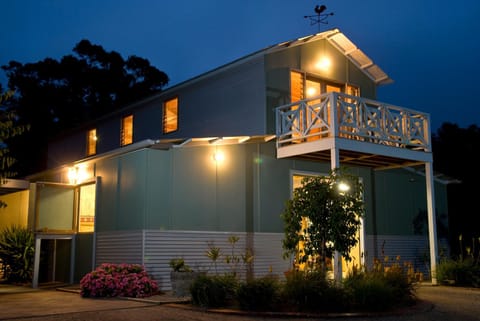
{"x": 92, "y": 142}
{"x": 170, "y": 115}
{"x": 304, "y": 86}
{"x": 126, "y": 135}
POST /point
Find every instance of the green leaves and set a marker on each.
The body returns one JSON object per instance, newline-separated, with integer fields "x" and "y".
{"x": 17, "y": 253}
{"x": 320, "y": 218}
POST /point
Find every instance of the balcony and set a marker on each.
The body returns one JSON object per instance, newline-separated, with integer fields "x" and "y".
{"x": 364, "y": 131}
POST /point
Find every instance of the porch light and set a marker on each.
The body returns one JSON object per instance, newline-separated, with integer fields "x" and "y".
{"x": 77, "y": 174}
{"x": 218, "y": 156}
{"x": 323, "y": 64}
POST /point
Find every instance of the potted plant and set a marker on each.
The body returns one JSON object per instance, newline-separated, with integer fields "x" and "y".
{"x": 181, "y": 277}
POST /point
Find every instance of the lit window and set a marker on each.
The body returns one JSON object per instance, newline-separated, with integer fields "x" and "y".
{"x": 296, "y": 86}
{"x": 86, "y": 208}
{"x": 92, "y": 142}
{"x": 127, "y": 130}
{"x": 352, "y": 90}
{"x": 170, "y": 116}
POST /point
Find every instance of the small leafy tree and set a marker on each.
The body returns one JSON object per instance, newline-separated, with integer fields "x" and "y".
{"x": 323, "y": 217}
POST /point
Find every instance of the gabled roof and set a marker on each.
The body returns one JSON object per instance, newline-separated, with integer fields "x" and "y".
{"x": 334, "y": 37}
{"x": 347, "y": 48}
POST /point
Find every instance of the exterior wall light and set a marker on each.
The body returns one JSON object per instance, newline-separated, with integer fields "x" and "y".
{"x": 323, "y": 64}
{"x": 77, "y": 174}
{"x": 218, "y": 156}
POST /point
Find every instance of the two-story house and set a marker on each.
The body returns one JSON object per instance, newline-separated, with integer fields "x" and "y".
{"x": 219, "y": 155}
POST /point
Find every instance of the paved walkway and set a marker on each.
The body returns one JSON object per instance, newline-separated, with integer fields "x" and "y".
{"x": 21, "y": 304}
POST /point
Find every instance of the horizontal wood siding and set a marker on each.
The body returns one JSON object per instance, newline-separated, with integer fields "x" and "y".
{"x": 412, "y": 249}
{"x": 119, "y": 247}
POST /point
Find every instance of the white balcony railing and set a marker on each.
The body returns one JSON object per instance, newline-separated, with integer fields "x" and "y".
{"x": 344, "y": 116}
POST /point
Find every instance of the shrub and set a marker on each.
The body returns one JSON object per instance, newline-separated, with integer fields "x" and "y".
{"x": 213, "y": 291}
{"x": 311, "y": 291}
{"x": 370, "y": 293}
{"x": 179, "y": 265}
{"x": 380, "y": 288}
{"x": 460, "y": 272}
{"x": 17, "y": 253}
{"x": 125, "y": 280}
{"x": 258, "y": 294}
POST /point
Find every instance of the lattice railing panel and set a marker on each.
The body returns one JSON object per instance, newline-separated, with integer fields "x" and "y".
{"x": 357, "y": 118}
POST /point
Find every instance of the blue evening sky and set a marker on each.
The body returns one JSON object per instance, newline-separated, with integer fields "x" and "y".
{"x": 430, "y": 48}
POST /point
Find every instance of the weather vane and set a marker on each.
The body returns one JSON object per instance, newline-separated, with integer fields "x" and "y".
{"x": 319, "y": 17}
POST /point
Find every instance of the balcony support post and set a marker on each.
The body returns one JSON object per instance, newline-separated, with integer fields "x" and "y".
{"x": 432, "y": 226}
{"x": 337, "y": 258}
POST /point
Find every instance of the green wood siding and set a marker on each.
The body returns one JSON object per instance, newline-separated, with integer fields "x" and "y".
{"x": 401, "y": 201}
{"x": 184, "y": 189}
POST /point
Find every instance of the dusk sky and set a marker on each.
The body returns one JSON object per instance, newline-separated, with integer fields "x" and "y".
{"x": 430, "y": 48}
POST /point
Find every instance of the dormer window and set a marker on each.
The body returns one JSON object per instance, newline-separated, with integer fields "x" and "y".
{"x": 126, "y": 134}
{"x": 170, "y": 115}
{"x": 92, "y": 142}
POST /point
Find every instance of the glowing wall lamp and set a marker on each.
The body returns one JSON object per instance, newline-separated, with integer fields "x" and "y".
{"x": 218, "y": 156}
{"x": 324, "y": 64}
{"x": 77, "y": 174}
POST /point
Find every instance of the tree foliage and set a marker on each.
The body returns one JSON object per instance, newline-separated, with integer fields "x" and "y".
{"x": 331, "y": 218}
{"x": 454, "y": 149}
{"x": 9, "y": 128}
{"x": 55, "y": 95}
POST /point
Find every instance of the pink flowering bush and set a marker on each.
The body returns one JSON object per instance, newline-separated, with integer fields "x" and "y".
{"x": 125, "y": 280}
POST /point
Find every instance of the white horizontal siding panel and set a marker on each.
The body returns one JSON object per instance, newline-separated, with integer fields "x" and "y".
{"x": 119, "y": 247}
{"x": 269, "y": 255}
{"x": 162, "y": 246}
{"x": 412, "y": 248}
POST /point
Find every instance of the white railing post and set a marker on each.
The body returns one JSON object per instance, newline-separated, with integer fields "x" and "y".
{"x": 333, "y": 114}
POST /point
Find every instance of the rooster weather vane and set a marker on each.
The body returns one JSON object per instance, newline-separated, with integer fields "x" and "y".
{"x": 320, "y": 17}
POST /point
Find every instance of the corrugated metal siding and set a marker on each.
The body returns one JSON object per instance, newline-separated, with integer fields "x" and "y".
{"x": 412, "y": 248}
{"x": 269, "y": 254}
{"x": 119, "y": 247}
{"x": 162, "y": 246}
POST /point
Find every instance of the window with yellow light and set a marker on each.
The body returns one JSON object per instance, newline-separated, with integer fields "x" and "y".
{"x": 170, "y": 115}
{"x": 127, "y": 130}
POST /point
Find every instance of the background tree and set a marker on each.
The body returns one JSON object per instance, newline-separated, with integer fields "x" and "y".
{"x": 8, "y": 129}
{"x": 56, "y": 95}
{"x": 323, "y": 218}
{"x": 454, "y": 149}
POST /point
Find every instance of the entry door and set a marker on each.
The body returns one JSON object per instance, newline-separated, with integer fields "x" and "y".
{"x": 63, "y": 214}
{"x": 55, "y": 225}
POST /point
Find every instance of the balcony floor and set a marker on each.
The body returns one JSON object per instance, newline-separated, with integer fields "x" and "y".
{"x": 355, "y": 153}
{"x": 353, "y": 158}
